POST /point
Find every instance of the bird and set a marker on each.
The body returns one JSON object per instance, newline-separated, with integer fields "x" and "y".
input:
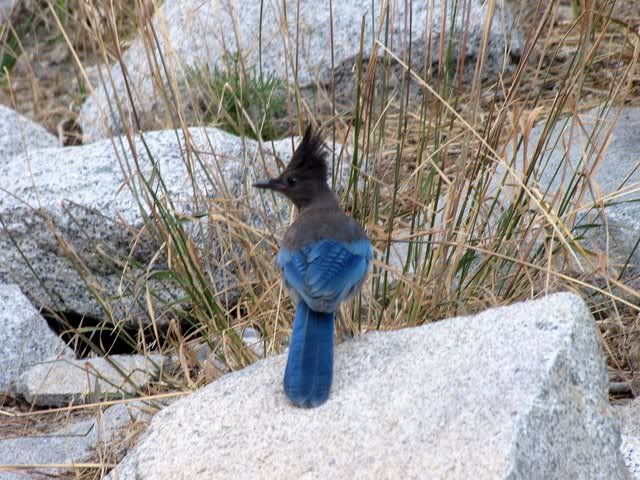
{"x": 324, "y": 258}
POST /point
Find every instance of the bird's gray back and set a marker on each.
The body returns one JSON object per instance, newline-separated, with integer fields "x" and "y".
{"x": 322, "y": 223}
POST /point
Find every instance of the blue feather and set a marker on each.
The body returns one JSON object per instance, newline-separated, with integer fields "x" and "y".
{"x": 321, "y": 275}
{"x": 327, "y": 272}
{"x": 309, "y": 372}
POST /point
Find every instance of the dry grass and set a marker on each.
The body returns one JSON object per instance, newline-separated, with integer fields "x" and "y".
{"x": 19, "y": 419}
{"x": 45, "y": 84}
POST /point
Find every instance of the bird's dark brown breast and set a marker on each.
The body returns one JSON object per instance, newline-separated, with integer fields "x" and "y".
{"x": 317, "y": 224}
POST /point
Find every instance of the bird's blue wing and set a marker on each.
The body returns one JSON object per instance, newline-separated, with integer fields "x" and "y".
{"x": 326, "y": 272}
{"x": 333, "y": 269}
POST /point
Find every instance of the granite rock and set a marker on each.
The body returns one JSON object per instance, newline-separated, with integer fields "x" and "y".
{"x": 25, "y": 337}
{"x": 514, "y": 392}
{"x": 194, "y": 33}
{"x": 79, "y": 203}
{"x": 629, "y": 416}
{"x": 75, "y": 441}
{"x": 64, "y": 382}
{"x": 19, "y": 134}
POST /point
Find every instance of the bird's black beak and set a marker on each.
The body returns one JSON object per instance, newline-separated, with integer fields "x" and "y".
{"x": 271, "y": 184}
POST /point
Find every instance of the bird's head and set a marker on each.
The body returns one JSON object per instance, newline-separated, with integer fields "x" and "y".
{"x": 304, "y": 179}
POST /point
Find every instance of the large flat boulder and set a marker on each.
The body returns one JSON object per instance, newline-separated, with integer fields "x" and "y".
{"x": 19, "y": 134}
{"x": 88, "y": 203}
{"x": 195, "y": 33}
{"x": 25, "y": 337}
{"x": 514, "y": 392}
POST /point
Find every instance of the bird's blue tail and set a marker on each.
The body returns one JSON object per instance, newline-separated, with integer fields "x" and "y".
{"x": 309, "y": 372}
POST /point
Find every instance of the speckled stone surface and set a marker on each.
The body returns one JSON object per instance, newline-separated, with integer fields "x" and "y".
{"x": 83, "y": 196}
{"x": 629, "y": 416}
{"x": 518, "y": 392}
{"x": 63, "y": 382}
{"x": 630, "y": 448}
{"x": 630, "y": 424}
{"x": 20, "y": 135}
{"x": 125, "y": 470}
{"x": 194, "y": 32}
{"x": 25, "y": 337}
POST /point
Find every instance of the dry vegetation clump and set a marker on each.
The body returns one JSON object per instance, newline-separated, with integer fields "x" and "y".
{"x": 43, "y": 80}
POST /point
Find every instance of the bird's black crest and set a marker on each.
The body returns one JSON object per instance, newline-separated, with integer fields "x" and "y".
{"x": 311, "y": 153}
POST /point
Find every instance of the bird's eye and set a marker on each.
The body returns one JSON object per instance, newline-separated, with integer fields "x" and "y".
{"x": 291, "y": 180}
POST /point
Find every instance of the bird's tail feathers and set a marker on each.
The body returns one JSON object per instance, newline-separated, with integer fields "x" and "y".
{"x": 309, "y": 372}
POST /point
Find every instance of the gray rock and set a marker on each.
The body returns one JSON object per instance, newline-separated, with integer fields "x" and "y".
{"x": 196, "y": 32}
{"x": 19, "y": 134}
{"x": 252, "y": 339}
{"x": 629, "y": 416}
{"x": 529, "y": 13}
{"x": 5, "y": 10}
{"x": 25, "y": 337}
{"x": 89, "y": 207}
{"x": 72, "y": 443}
{"x": 75, "y": 442}
{"x": 62, "y": 382}
{"x": 577, "y": 145}
{"x": 125, "y": 470}
{"x": 514, "y": 392}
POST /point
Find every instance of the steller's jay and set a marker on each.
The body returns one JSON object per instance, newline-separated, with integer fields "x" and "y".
{"x": 324, "y": 259}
